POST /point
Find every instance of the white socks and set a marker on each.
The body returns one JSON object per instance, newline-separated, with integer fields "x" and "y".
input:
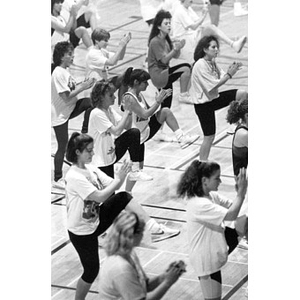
{"x": 135, "y": 166}
{"x": 178, "y": 133}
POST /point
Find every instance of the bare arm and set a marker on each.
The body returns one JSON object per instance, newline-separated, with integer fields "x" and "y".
{"x": 199, "y": 22}
{"x": 120, "y": 51}
{"x": 174, "y": 53}
{"x": 102, "y": 195}
{"x": 132, "y": 104}
{"x": 69, "y": 96}
{"x": 56, "y": 25}
{"x": 241, "y": 187}
{"x": 117, "y": 130}
{"x": 232, "y": 69}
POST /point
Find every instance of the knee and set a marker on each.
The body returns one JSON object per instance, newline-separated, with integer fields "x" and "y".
{"x": 90, "y": 273}
{"x": 209, "y": 139}
{"x": 80, "y": 31}
{"x": 165, "y": 112}
{"x": 134, "y": 132}
{"x": 242, "y": 95}
{"x": 123, "y": 197}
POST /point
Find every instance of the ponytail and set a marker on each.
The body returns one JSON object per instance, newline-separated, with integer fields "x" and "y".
{"x": 77, "y": 141}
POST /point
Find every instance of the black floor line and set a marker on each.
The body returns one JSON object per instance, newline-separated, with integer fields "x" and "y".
{"x": 235, "y": 288}
{"x": 70, "y": 288}
{"x": 60, "y": 247}
{"x": 163, "y": 207}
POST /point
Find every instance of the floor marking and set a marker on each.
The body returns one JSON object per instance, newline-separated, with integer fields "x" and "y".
{"x": 60, "y": 247}
{"x": 163, "y": 207}
{"x": 236, "y": 287}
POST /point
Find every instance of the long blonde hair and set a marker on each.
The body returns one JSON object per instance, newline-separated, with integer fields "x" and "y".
{"x": 120, "y": 237}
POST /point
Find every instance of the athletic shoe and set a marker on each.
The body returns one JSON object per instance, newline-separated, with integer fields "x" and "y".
{"x": 186, "y": 140}
{"x": 163, "y": 233}
{"x": 243, "y": 244}
{"x": 185, "y": 98}
{"x": 163, "y": 137}
{"x": 60, "y": 184}
{"x": 139, "y": 175}
{"x": 239, "y": 44}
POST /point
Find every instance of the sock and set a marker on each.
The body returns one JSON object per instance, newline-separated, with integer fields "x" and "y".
{"x": 178, "y": 133}
{"x": 184, "y": 94}
{"x": 151, "y": 224}
{"x": 135, "y": 166}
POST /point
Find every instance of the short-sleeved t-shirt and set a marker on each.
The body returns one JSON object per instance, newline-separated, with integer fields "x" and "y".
{"x": 158, "y": 71}
{"x": 95, "y": 62}
{"x": 83, "y": 217}
{"x": 205, "y": 229}
{"x": 204, "y": 79}
{"x": 120, "y": 280}
{"x": 104, "y": 141}
{"x": 61, "y": 81}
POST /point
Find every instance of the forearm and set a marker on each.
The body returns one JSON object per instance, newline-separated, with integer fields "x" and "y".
{"x": 101, "y": 196}
{"x": 154, "y": 282}
{"x": 172, "y": 54}
{"x": 222, "y": 81}
{"x": 117, "y": 56}
{"x": 159, "y": 292}
{"x": 235, "y": 208}
{"x": 117, "y": 130}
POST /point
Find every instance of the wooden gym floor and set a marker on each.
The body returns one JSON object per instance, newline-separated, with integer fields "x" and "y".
{"x": 164, "y": 161}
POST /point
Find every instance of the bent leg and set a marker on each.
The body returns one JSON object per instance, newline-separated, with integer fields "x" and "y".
{"x": 61, "y": 133}
{"x": 211, "y": 286}
{"x": 82, "y": 33}
{"x": 205, "y": 147}
{"x": 214, "y": 14}
{"x": 166, "y": 115}
{"x": 241, "y": 95}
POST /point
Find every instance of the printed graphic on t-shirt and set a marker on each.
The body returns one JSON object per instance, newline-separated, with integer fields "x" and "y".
{"x": 71, "y": 84}
{"x": 91, "y": 207}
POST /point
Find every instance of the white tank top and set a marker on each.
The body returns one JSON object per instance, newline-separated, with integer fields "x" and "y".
{"x": 138, "y": 122}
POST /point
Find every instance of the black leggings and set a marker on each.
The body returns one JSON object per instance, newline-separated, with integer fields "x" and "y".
{"x": 87, "y": 245}
{"x": 129, "y": 140}
{"x": 62, "y": 136}
{"x": 173, "y": 76}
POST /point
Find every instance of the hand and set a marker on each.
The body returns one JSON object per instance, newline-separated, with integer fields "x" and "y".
{"x": 234, "y": 67}
{"x": 172, "y": 274}
{"x": 179, "y": 44}
{"x": 74, "y": 10}
{"x": 163, "y": 94}
{"x": 125, "y": 39}
{"x": 124, "y": 170}
{"x": 88, "y": 83}
{"x": 242, "y": 182}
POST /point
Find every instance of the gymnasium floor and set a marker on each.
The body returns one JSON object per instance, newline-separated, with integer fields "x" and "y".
{"x": 164, "y": 161}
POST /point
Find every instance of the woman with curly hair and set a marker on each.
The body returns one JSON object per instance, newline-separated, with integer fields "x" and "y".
{"x": 121, "y": 275}
{"x": 207, "y": 78}
{"x": 209, "y": 240}
{"x": 238, "y": 113}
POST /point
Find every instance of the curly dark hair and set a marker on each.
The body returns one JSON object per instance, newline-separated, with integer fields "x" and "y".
{"x": 53, "y": 2}
{"x": 237, "y": 111}
{"x": 160, "y": 16}
{"x": 204, "y": 44}
{"x": 99, "y": 90}
{"x": 60, "y": 50}
{"x": 131, "y": 75}
{"x": 190, "y": 183}
{"x": 77, "y": 141}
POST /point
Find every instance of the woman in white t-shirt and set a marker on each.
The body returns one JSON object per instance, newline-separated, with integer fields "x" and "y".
{"x": 64, "y": 103}
{"x": 186, "y": 24}
{"x": 207, "y": 77}
{"x": 62, "y": 30}
{"x": 122, "y": 276}
{"x": 209, "y": 240}
{"x": 92, "y": 206}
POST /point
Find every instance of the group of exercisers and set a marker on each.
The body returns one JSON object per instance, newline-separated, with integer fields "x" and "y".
{"x": 95, "y": 204}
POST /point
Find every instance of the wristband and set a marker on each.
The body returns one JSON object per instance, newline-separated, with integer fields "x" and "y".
{"x": 229, "y": 75}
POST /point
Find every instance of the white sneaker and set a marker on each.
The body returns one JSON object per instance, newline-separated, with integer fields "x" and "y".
{"x": 243, "y": 244}
{"x": 186, "y": 140}
{"x": 185, "y": 98}
{"x": 163, "y": 233}
{"x": 239, "y": 44}
{"x": 139, "y": 175}
{"x": 163, "y": 137}
{"x": 60, "y": 184}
